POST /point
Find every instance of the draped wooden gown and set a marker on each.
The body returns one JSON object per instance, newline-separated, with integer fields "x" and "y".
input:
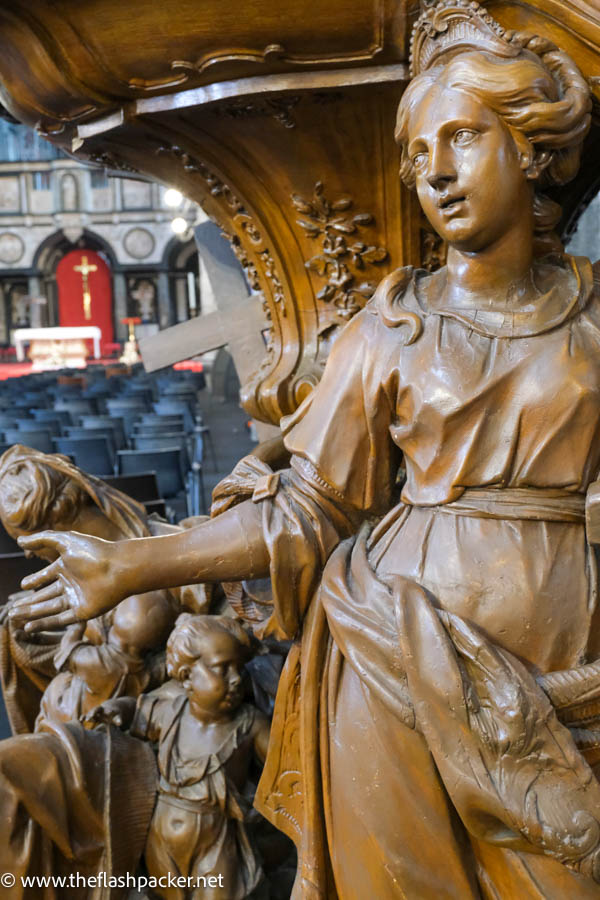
{"x": 413, "y": 753}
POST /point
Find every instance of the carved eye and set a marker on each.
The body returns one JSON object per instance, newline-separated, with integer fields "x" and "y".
{"x": 419, "y": 160}
{"x": 464, "y": 136}
{"x": 218, "y": 668}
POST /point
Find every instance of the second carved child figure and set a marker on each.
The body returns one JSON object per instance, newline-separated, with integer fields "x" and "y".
{"x": 206, "y": 736}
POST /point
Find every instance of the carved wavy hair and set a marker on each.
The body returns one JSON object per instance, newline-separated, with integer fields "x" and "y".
{"x": 39, "y": 497}
{"x": 191, "y": 635}
{"x": 540, "y": 95}
{"x": 45, "y": 490}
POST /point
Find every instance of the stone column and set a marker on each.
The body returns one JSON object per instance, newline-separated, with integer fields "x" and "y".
{"x": 120, "y": 305}
{"x": 36, "y": 310}
{"x": 181, "y": 299}
{"x": 3, "y": 323}
{"x": 165, "y": 313}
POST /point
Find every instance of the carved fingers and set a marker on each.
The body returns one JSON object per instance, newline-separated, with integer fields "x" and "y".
{"x": 43, "y": 541}
{"x": 41, "y": 613}
{"x": 107, "y": 713}
{"x": 75, "y": 587}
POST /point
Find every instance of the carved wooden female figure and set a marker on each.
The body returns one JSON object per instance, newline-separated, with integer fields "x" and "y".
{"x": 420, "y": 748}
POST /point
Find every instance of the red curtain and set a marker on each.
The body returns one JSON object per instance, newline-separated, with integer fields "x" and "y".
{"x": 71, "y": 310}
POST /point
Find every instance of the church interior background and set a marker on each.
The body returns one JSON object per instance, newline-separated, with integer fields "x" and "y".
{"x": 57, "y": 216}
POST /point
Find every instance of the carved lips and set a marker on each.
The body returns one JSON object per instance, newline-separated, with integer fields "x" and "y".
{"x": 451, "y": 204}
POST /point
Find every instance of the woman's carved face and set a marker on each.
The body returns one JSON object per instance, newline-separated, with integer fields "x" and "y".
{"x": 470, "y": 177}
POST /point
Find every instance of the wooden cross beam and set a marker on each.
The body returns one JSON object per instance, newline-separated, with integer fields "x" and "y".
{"x": 237, "y": 323}
{"x": 238, "y": 327}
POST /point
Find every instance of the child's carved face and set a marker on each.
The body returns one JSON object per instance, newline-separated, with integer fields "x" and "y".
{"x": 214, "y": 681}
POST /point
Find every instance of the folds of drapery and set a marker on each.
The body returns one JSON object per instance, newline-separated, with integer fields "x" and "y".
{"x": 511, "y": 769}
{"x": 26, "y": 669}
{"x": 74, "y": 802}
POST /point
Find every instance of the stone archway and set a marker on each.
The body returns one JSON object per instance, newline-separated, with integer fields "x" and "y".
{"x": 48, "y": 256}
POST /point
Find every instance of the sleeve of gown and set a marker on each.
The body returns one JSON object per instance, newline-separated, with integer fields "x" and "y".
{"x": 343, "y": 467}
{"x": 146, "y": 721}
{"x": 339, "y": 436}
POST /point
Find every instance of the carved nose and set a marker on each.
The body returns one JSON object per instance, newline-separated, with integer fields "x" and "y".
{"x": 439, "y": 179}
{"x": 440, "y": 170}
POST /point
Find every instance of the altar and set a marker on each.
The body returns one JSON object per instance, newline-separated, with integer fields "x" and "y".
{"x": 57, "y": 348}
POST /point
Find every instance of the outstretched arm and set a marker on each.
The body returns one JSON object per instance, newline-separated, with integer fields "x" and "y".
{"x": 91, "y": 575}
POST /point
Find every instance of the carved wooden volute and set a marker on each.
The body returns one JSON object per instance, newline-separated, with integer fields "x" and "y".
{"x": 277, "y": 118}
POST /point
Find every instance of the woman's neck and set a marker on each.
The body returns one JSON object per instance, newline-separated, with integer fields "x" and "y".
{"x": 499, "y": 276}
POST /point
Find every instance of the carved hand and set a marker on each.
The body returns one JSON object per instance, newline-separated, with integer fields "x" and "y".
{"x": 81, "y": 584}
{"x": 117, "y": 712}
{"x": 91, "y": 575}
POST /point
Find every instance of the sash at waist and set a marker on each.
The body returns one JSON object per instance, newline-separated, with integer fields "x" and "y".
{"x": 541, "y": 504}
{"x": 196, "y": 806}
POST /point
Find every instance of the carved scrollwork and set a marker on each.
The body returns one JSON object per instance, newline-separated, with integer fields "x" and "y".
{"x": 278, "y": 108}
{"x": 338, "y": 260}
{"x": 254, "y": 257}
{"x": 110, "y": 161}
{"x": 271, "y": 53}
{"x": 277, "y": 53}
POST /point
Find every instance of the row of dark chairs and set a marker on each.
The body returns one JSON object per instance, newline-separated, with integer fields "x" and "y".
{"x": 140, "y": 423}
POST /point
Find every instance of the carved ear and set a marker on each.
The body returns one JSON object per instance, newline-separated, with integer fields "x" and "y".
{"x": 184, "y": 673}
{"x": 534, "y": 167}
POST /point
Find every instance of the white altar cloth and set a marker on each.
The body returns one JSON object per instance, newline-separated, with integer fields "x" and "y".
{"x": 61, "y": 335}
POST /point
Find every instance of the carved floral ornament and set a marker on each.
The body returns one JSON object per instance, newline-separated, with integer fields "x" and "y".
{"x": 339, "y": 261}
{"x": 278, "y": 108}
{"x": 109, "y": 161}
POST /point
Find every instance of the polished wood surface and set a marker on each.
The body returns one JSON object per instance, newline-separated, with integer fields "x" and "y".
{"x": 249, "y": 124}
{"x": 419, "y": 541}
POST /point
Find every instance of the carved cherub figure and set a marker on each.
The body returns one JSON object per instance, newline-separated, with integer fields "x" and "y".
{"x": 205, "y": 736}
{"x": 123, "y": 664}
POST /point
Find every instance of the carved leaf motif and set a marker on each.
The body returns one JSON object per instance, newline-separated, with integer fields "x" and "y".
{"x": 326, "y": 293}
{"x": 317, "y": 264}
{"x": 303, "y": 206}
{"x": 310, "y": 227}
{"x": 363, "y": 219}
{"x": 374, "y": 255}
{"x": 341, "y": 205}
{"x": 343, "y": 225}
{"x": 366, "y": 289}
{"x": 320, "y": 203}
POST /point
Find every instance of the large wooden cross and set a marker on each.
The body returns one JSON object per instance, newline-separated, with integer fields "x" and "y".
{"x": 237, "y": 323}
{"x": 238, "y": 327}
{"x": 85, "y": 270}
